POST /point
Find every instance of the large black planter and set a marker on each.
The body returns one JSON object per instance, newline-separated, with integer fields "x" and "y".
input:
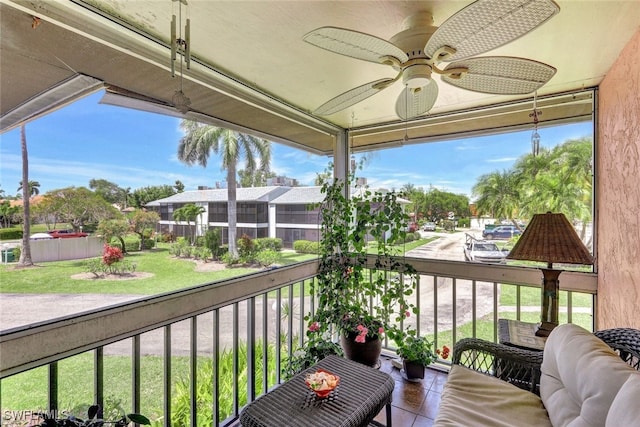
{"x": 413, "y": 370}
{"x": 367, "y": 353}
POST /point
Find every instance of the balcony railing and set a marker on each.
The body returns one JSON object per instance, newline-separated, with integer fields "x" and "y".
{"x": 200, "y": 354}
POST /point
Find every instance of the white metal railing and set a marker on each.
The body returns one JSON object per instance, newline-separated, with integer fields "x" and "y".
{"x": 265, "y": 310}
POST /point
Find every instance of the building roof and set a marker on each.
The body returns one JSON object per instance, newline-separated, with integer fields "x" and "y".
{"x": 300, "y": 195}
{"x": 274, "y": 195}
{"x": 250, "y": 194}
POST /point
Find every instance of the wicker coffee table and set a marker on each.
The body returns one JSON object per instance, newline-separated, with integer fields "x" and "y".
{"x": 361, "y": 395}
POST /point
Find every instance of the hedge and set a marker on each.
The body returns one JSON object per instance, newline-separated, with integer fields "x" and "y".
{"x": 306, "y": 247}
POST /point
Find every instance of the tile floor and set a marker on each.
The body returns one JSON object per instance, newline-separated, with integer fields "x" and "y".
{"x": 415, "y": 404}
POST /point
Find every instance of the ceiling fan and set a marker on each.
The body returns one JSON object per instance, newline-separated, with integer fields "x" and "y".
{"x": 417, "y": 51}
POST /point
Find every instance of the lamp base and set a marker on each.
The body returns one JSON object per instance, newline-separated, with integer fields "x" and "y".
{"x": 543, "y": 329}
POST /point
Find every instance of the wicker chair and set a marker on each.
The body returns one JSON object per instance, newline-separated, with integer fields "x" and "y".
{"x": 522, "y": 367}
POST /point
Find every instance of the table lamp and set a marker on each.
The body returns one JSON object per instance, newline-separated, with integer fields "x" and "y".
{"x": 550, "y": 238}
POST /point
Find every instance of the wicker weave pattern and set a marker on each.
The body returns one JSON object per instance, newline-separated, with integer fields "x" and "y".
{"x": 522, "y": 367}
{"x": 517, "y": 366}
{"x": 625, "y": 341}
{"x": 361, "y": 395}
{"x": 551, "y": 238}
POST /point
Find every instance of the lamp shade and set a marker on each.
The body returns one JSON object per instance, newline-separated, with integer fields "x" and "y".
{"x": 550, "y": 238}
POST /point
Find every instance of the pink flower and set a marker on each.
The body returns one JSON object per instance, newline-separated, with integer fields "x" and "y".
{"x": 361, "y": 338}
{"x": 380, "y": 330}
{"x": 406, "y": 313}
{"x": 314, "y": 327}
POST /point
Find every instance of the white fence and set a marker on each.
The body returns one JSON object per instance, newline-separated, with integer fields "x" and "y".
{"x": 63, "y": 249}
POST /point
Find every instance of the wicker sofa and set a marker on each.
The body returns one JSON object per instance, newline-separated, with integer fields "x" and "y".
{"x": 581, "y": 379}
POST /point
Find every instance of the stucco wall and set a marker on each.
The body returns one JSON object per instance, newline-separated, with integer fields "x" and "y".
{"x": 619, "y": 192}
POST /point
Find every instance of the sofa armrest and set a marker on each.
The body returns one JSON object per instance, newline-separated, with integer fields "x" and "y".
{"x": 625, "y": 342}
{"x": 515, "y": 365}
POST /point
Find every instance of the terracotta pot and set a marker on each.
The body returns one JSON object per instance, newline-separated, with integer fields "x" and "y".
{"x": 413, "y": 370}
{"x": 367, "y": 353}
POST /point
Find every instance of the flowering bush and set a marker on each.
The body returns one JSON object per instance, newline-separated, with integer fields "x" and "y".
{"x": 111, "y": 255}
{"x": 111, "y": 263}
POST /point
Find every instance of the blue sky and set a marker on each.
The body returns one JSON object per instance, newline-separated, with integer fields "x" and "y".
{"x": 135, "y": 149}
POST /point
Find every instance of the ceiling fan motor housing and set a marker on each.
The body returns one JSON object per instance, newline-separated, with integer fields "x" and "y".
{"x": 418, "y": 29}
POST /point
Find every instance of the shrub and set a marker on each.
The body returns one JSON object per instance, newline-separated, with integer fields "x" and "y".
{"x": 268, "y": 257}
{"x": 16, "y": 252}
{"x": 181, "y": 405}
{"x": 306, "y": 247}
{"x": 149, "y": 243}
{"x": 273, "y": 243}
{"x": 168, "y": 238}
{"x": 213, "y": 241}
{"x": 229, "y": 259}
{"x": 464, "y": 222}
{"x": 10, "y": 234}
{"x": 246, "y": 249}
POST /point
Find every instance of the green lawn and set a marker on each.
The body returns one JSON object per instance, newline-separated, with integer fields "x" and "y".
{"x": 169, "y": 274}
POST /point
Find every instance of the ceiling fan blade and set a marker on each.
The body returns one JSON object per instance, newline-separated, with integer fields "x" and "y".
{"x": 501, "y": 75}
{"x": 415, "y": 102}
{"x": 355, "y": 44}
{"x": 353, "y": 96}
{"x": 487, "y": 24}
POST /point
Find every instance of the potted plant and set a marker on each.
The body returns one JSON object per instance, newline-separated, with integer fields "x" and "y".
{"x": 363, "y": 290}
{"x": 417, "y": 353}
{"x": 94, "y": 419}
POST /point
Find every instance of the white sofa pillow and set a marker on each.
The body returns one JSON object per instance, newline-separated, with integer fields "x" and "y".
{"x": 625, "y": 410}
{"x": 581, "y": 376}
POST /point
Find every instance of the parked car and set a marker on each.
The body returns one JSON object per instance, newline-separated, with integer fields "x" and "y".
{"x": 63, "y": 234}
{"x": 501, "y": 232}
{"x": 429, "y": 226}
{"x": 40, "y": 236}
{"x": 482, "y": 251}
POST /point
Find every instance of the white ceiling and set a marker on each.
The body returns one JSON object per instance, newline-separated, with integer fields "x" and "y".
{"x": 259, "y": 45}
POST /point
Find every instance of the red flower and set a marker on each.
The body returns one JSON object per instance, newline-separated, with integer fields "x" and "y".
{"x": 314, "y": 327}
{"x": 444, "y": 353}
{"x": 111, "y": 255}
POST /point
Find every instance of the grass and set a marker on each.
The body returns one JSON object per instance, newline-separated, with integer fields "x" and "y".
{"x": 27, "y": 390}
{"x": 169, "y": 274}
{"x": 402, "y": 247}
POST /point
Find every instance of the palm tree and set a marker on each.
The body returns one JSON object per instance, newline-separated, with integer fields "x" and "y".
{"x": 25, "y": 254}
{"x": 189, "y": 213}
{"x": 201, "y": 140}
{"x": 33, "y": 188}
{"x": 498, "y": 195}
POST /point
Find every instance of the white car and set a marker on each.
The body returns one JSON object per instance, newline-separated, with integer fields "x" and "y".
{"x": 40, "y": 236}
{"x": 483, "y": 251}
{"x": 429, "y": 226}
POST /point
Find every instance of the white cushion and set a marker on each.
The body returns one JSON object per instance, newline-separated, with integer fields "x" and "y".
{"x": 471, "y": 399}
{"x": 581, "y": 376}
{"x": 625, "y": 410}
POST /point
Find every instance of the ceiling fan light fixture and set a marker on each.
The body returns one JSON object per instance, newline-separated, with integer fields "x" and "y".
{"x": 416, "y": 76}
